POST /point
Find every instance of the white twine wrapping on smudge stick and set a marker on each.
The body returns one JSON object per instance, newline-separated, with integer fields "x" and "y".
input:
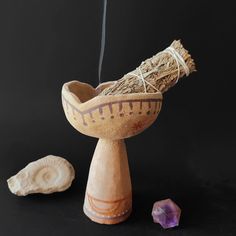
{"x": 179, "y": 61}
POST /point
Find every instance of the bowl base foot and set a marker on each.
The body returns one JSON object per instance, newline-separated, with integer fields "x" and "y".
{"x": 109, "y": 220}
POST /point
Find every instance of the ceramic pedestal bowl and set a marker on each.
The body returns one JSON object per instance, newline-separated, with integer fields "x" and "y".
{"x": 112, "y": 118}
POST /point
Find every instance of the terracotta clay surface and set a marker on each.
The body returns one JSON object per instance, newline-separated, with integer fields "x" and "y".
{"x": 108, "y": 195}
{"x": 109, "y": 117}
{"x": 46, "y": 175}
{"x": 108, "y": 198}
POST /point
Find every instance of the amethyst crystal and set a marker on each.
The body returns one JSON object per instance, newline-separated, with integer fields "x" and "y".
{"x": 166, "y": 213}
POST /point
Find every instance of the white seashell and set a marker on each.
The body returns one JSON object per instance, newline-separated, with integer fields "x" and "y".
{"x": 46, "y": 175}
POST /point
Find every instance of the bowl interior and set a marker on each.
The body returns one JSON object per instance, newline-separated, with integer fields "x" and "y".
{"x": 83, "y": 92}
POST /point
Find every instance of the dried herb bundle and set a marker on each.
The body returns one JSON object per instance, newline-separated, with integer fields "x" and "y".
{"x": 158, "y": 73}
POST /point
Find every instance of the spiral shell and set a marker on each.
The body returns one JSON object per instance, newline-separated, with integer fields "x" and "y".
{"x": 46, "y": 175}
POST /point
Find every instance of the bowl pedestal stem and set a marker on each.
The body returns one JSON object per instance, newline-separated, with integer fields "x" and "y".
{"x": 108, "y": 197}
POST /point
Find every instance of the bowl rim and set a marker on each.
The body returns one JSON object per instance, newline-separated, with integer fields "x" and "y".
{"x": 68, "y": 95}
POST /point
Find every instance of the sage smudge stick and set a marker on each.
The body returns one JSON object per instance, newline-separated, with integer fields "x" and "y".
{"x": 158, "y": 73}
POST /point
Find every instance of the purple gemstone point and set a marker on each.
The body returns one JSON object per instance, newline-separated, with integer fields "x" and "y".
{"x": 166, "y": 213}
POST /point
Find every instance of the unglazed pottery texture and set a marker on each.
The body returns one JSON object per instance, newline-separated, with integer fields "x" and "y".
{"x": 112, "y": 118}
